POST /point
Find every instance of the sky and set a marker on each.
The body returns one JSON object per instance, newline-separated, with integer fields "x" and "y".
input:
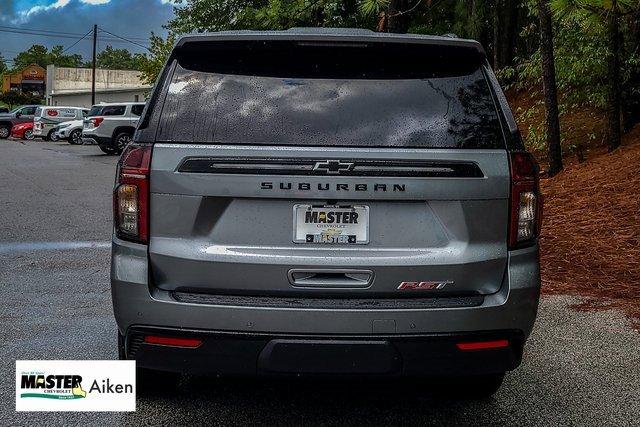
{"x": 127, "y": 18}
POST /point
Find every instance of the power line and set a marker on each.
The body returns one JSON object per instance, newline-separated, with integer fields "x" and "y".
{"x": 124, "y": 41}
{"x": 102, "y": 30}
{"x": 60, "y": 36}
{"x": 34, "y": 33}
{"x": 77, "y": 41}
{"x": 64, "y": 33}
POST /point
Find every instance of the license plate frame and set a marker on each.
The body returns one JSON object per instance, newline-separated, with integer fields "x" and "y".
{"x": 352, "y": 234}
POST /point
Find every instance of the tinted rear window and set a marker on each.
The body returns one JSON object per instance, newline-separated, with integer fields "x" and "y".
{"x": 113, "y": 110}
{"x": 94, "y": 111}
{"x": 319, "y": 95}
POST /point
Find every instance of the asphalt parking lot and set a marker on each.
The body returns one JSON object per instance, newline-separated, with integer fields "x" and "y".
{"x": 55, "y": 225}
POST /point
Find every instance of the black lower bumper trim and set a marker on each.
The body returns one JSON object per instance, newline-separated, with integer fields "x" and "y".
{"x": 254, "y": 354}
{"x": 329, "y": 303}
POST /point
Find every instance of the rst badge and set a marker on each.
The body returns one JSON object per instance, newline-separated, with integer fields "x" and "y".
{"x": 424, "y": 286}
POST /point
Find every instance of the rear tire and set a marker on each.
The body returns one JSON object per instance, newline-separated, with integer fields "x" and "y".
{"x": 28, "y": 135}
{"x": 121, "y": 141}
{"x": 75, "y": 137}
{"x": 5, "y": 131}
{"x": 51, "y": 136}
{"x": 473, "y": 387}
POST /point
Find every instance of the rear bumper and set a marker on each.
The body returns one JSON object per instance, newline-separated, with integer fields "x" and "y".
{"x": 256, "y": 354}
{"x": 139, "y": 306}
{"x": 88, "y": 138}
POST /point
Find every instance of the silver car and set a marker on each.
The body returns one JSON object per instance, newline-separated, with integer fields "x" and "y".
{"x": 334, "y": 202}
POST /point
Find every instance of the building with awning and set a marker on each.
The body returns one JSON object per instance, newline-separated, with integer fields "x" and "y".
{"x": 32, "y": 80}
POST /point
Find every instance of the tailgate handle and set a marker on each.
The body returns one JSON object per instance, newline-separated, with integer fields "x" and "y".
{"x": 330, "y": 278}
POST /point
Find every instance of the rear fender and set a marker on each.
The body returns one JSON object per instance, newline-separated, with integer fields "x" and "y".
{"x": 120, "y": 129}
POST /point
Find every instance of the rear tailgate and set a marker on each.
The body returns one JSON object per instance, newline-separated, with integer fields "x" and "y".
{"x": 241, "y": 145}
{"x": 233, "y": 233}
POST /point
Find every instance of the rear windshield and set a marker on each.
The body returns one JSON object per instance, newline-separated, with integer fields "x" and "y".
{"x": 94, "y": 111}
{"x": 113, "y": 110}
{"x": 319, "y": 95}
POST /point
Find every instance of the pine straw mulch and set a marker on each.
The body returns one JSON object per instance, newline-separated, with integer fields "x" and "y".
{"x": 590, "y": 243}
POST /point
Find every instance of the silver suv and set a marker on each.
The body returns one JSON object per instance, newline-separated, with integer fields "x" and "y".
{"x": 111, "y": 126}
{"x": 327, "y": 202}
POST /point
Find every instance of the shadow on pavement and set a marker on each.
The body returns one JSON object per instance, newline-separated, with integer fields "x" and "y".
{"x": 304, "y": 400}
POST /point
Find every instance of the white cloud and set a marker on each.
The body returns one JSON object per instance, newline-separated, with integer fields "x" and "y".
{"x": 36, "y": 9}
{"x": 23, "y": 16}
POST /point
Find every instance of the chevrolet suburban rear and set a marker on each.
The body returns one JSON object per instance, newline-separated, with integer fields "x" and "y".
{"x": 327, "y": 202}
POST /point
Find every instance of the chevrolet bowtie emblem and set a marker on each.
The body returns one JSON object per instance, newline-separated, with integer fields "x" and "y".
{"x": 333, "y": 167}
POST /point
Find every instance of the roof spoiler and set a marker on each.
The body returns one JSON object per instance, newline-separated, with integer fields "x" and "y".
{"x": 329, "y": 35}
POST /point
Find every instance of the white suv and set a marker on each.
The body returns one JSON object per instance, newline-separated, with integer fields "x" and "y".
{"x": 111, "y": 126}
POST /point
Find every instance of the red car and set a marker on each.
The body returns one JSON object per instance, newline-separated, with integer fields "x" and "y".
{"x": 23, "y": 131}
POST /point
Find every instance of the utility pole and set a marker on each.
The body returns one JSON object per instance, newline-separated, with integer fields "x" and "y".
{"x": 93, "y": 66}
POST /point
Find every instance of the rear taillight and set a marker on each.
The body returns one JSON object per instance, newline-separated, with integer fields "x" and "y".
{"x": 173, "y": 341}
{"x": 482, "y": 345}
{"x": 95, "y": 121}
{"x": 131, "y": 194}
{"x": 526, "y": 201}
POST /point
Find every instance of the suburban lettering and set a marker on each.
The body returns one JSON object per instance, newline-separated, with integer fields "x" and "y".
{"x": 305, "y": 186}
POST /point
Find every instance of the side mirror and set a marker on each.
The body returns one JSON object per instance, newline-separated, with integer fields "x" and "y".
{"x": 18, "y": 114}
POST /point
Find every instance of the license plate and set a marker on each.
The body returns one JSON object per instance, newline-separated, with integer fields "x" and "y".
{"x": 347, "y": 225}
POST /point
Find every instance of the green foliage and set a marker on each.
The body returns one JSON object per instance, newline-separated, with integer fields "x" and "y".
{"x": 219, "y": 15}
{"x": 14, "y": 98}
{"x": 118, "y": 59}
{"x": 580, "y": 50}
{"x": 579, "y": 62}
{"x": 151, "y": 65}
{"x": 536, "y": 140}
{"x": 3, "y": 65}
{"x": 38, "y": 54}
{"x": 373, "y": 7}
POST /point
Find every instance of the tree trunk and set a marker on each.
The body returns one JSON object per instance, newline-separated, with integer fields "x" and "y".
{"x": 496, "y": 34}
{"x": 397, "y": 19}
{"x": 509, "y": 32}
{"x": 613, "y": 69}
{"x": 505, "y": 15}
{"x": 554, "y": 148}
{"x": 631, "y": 88}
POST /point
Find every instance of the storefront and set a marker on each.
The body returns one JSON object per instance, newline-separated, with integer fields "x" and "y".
{"x": 31, "y": 80}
